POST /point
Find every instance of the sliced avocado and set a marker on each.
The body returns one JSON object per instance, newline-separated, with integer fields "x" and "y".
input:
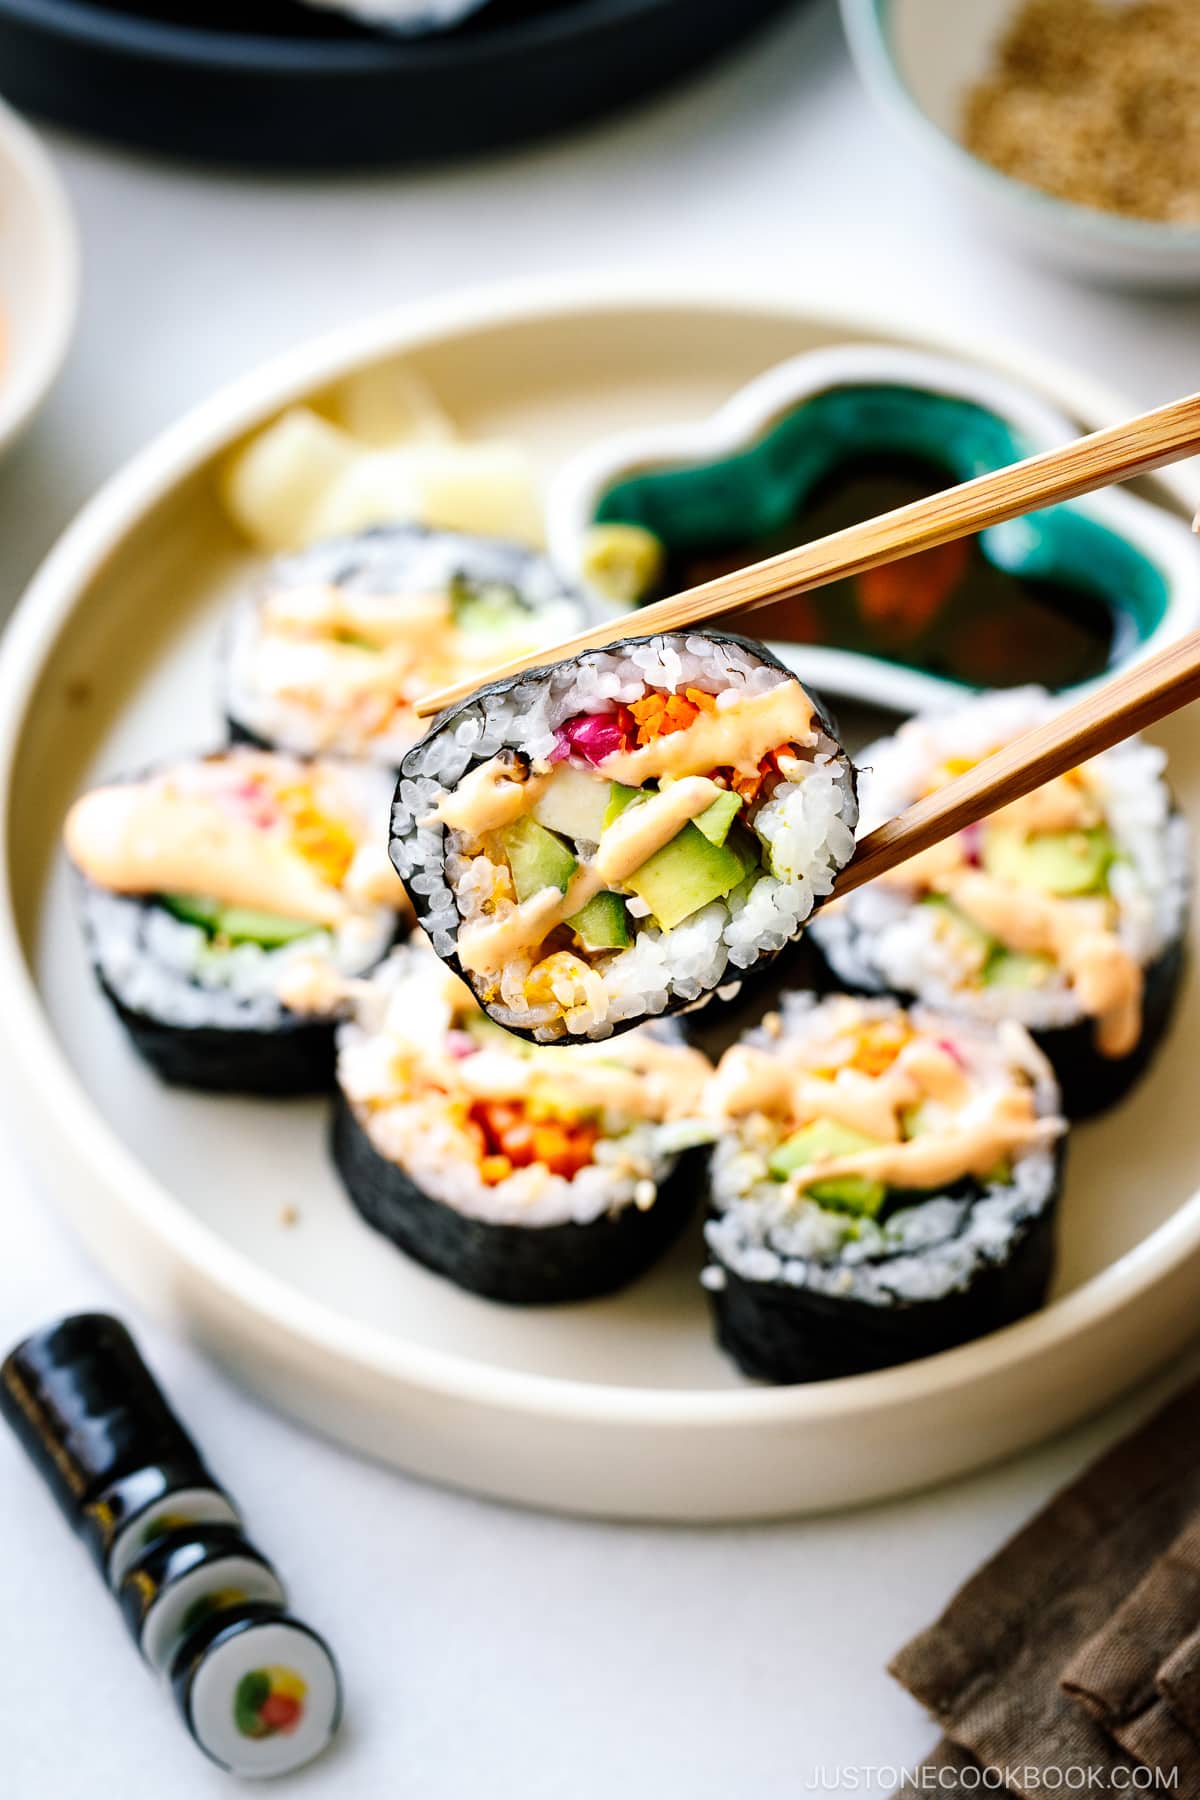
{"x": 743, "y": 844}
{"x": 603, "y": 924}
{"x": 1017, "y": 969}
{"x": 247, "y": 925}
{"x": 685, "y": 875}
{"x": 716, "y": 819}
{"x": 850, "y": 1193}
{"x": 354, "y": 640}
{"x": 551, "y": 1102}
{"x": 913, "y": 1119}
{"x": 573, "y": 803}
{"x": 1052, "y": 862}
{"x": 193, "y": 909}
{"x": 538, "y": 858}
{"x": 619, "y": 797}
{"x": 485, "y": 1031}
{"x": 825, "y": 1137}
{"x": 240, "y": 924}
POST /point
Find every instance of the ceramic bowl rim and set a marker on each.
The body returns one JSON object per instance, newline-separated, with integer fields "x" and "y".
{"x": 749, "y": 414}
{"x": 867, "y": 34}
{"x": 31, "y": 378}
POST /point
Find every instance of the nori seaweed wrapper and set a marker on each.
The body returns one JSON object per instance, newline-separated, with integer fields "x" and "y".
{"x": 445, "y": 721}
{"x": 291, "y": 1059}
{"x": 779, "y": 1333}
{"x": 523, "y": 1265}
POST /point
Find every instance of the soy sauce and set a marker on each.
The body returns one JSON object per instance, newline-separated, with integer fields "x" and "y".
{"x": 947, "y": 611}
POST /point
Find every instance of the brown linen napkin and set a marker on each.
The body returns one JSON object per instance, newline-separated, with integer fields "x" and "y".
{"x": 988, "y": 1670}
{"x": 1178, "y": 1681}
{"x": 1139, "y": 1675}
{"x": 951, "y": 1774}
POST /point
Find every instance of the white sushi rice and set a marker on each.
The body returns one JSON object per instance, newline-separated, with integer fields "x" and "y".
{"x": 172, "y": 971}
{"x": 764, "y": 1232}
{"x": 388, "y": 560}
{"x": 407, "y": 1010}
{"x": 807, "y": 826}
{"x": 879, "y": 940}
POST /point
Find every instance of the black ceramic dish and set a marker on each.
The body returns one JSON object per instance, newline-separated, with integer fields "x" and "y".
{"x": 275, "y": 83}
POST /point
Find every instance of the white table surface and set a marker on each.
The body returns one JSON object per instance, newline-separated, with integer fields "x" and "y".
{"x": 486, "y": 1651}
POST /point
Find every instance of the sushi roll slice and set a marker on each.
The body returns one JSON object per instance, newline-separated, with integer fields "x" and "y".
{"x": 225, "y": 900}
{"x": 330, "y": 652}
{"x": 524, "y": 1173}
{"x": 617, "y": 835}
{"x": 884, "y": 1187}
{"x": 1066, "y": 910}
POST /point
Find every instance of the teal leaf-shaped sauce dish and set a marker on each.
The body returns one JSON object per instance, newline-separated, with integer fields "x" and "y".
{"x": 1060, "y": 598}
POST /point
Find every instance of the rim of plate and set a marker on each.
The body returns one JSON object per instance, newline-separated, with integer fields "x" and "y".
{"x": 40, "y": 1068}
{"x": 56, "y": 281}
{"x": 866, "y": 24}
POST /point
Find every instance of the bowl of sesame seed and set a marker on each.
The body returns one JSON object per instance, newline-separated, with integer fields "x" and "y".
{"x": 1074, "y": 123}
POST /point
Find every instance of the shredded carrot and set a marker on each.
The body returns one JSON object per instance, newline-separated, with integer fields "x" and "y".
{"x": 878, "y": 1048}
{"x": 322, "y": 840}
{"x": 750, "y": 786}
{"x": 564, "y": 1147}
{"x": 658, "y": 715}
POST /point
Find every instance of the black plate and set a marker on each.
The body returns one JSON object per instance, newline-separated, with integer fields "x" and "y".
{"x": 274, "y": 83}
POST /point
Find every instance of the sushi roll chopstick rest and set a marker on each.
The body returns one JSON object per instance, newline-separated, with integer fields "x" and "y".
{"x": 258, "y": 1691}
{"x": 616, "y": 836}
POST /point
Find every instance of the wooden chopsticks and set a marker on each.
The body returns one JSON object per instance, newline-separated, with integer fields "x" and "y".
{"x": 1118, "y": 453}
{"x": 1138, "y": 697}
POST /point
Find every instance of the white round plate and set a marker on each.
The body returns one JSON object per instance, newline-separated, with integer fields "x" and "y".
{"x": 621, "y": 1407}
